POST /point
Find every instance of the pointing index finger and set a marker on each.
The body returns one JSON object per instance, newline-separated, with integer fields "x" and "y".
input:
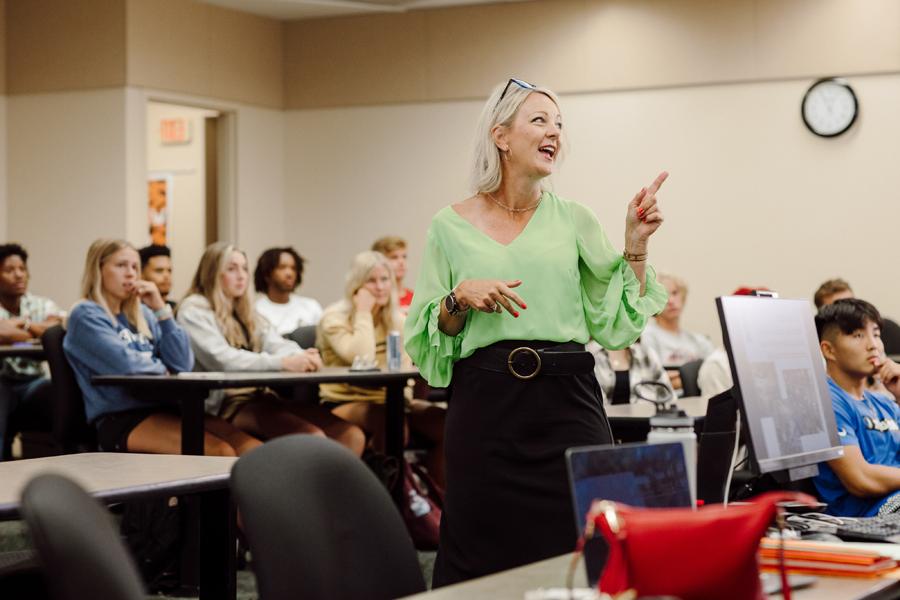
{"x": 657, "y": 183}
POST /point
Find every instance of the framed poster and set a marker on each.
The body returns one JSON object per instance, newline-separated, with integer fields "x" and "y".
{"x": 159, "y": 207}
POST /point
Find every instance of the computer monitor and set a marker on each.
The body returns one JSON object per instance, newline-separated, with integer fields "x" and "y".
{"x": 779, "y": 388}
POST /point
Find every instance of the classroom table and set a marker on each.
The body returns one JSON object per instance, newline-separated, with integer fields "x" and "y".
{"x": 119, "y": 477}
{"x": 22, "y": 350}
{"x": 631, "y": 422}
{"x": 551, "y": 573}
{"x": 192, "y": 388}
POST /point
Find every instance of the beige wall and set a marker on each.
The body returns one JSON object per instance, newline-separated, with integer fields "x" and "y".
{"x": 753, "y": 197}
{"x": 3, "y": 181}
{"x": 203, "y": 50}
{"x": 2, "y": 47}
{"x": 66, "y": 169}
{"x": 60, "y": 45}
{"x": 582, "y": 46}
{"x": 185, "y": 165}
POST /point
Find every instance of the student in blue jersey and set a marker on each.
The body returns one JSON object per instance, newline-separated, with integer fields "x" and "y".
{"x": 122, "y": 326}
{"x": 866, "y": 480}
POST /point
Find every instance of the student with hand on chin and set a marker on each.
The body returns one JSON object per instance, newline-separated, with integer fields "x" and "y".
{"x": 122, "y": 326}
{"x": 866, "y": 481}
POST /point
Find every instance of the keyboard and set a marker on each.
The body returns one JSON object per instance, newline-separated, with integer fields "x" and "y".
{"x": 870, "y": 529}
{"x": 852, "y": 529}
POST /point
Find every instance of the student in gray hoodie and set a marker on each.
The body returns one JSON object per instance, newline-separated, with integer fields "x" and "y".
{"x": 227, "y": 334}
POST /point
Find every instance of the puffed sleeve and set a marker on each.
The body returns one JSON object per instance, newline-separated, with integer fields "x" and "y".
{"x": 432, "y": 351}
{"x": 614, "y": 309}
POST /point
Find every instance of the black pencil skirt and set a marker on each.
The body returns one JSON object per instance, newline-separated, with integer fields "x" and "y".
{"x": 507, "y": 501}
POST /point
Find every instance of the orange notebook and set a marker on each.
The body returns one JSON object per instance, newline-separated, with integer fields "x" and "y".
{"x": 822, "y": 558}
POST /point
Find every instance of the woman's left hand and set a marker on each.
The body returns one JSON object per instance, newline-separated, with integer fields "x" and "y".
{"x": 643, "y": 216}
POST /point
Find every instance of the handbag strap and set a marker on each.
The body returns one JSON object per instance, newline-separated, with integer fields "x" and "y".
{"x": 612, "y": 527}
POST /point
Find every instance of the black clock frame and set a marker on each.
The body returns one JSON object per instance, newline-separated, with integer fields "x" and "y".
{"x": 840, "y": 82}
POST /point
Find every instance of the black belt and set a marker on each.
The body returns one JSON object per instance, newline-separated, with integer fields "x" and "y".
{"x": 525, "y": 362}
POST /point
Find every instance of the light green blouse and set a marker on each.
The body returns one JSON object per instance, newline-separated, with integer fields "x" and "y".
{"x": 575, "y": 284}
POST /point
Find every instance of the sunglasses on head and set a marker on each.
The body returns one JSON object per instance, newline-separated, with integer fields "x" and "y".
{"x": 522, "y": 84}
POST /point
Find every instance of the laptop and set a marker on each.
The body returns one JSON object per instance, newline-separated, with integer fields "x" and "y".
{"x": 642, "y": 475}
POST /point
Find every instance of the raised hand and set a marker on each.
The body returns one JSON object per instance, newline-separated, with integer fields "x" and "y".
{"x": 490, "y": 295}
{"x": 643, "y": 216}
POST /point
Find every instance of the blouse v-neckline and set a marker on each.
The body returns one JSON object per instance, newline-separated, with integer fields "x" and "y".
{"x": 488, "y": 236}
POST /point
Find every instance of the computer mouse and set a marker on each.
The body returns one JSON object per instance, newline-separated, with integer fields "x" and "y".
{"x": 820, "y": 536}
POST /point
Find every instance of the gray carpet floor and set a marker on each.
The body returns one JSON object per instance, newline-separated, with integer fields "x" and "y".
{"x": 14, "y": 537}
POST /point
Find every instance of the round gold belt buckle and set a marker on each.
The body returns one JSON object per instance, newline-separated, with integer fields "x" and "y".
{"x": 512, "y": 356}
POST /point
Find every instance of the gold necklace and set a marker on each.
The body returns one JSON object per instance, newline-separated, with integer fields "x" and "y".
{"x": 510, "y": 209}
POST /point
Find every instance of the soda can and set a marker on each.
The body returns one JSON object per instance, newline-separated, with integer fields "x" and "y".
{"x": 393, "y": 351}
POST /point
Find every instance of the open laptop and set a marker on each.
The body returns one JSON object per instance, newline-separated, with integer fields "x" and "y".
{"x": 643, "y": 475}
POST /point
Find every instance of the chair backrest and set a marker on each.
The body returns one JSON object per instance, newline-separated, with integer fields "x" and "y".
{"x": 70, "y": 428}
{"x": 890, "y": 336}
{"x": 305, "y": 336}
{"x": 320, "y": 525}
{"x": 689, "y": 372}
{"x": 77, "y": 544}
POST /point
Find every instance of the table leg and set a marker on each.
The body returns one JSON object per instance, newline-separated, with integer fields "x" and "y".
{"x": 393, "y": 429}
{"x": 218, "y": 542}
{"x": 192, "y": 413}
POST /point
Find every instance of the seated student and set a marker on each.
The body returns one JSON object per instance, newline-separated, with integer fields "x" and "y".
{"x": 122, "y": 326}
{"x": 24, "y": 317}
{"x": 359, "y": 325}
{"x": 866, "y": 480}
{"x": 227, "y": 334}
{"x": 395, "y": 249}
{"x": 279, "y": 271}
{"x": 618, "y": 371}
{"x": 664, "y": 334}
{"x": 837, "y": 289}
{"x": 156, "y": 266}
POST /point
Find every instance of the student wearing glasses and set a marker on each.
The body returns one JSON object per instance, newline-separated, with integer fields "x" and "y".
{"x": 514, "y": 281}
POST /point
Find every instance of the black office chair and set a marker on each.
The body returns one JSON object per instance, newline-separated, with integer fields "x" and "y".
{"x": 77, "y": 544}
{"x": 70, "y": 428}
{"x": 689, "y": 372}
{"x": 305, "y": 336}
{"x": 890, "y": 336}
{"x": 320, "y": 525}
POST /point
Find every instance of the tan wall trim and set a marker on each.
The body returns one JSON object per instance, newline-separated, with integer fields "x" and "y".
{"x": 58, "y": 45}
{"x": 204, "y": 50}
{"x": 583, "y": 46}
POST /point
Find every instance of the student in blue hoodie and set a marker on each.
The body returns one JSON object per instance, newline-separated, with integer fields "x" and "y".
{"x": 122, "y": 326}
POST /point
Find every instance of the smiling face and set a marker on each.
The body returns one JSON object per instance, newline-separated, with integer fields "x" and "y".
{"x": 119, "y": 272}
{"x": 235, "y": 277}
{"x": 379, "y": 284}
{"x": 13, "y": 276}
{"x": 532, "y": 141}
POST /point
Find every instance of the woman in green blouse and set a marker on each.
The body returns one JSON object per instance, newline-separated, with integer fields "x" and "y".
{"x": 514, "y": 282}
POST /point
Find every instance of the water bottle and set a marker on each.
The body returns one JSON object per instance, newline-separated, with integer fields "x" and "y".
{"x": 673, "y": 425}
{"x": 393, "y": 351}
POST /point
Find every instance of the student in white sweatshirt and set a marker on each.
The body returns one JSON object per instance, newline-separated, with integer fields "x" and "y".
{"x": 228, "y": 335}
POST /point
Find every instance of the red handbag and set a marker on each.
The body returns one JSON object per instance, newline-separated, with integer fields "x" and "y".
{"x": 707, "y": 554}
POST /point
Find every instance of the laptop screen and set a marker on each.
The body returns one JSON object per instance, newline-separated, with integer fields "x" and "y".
{"x": 642, "y": 475}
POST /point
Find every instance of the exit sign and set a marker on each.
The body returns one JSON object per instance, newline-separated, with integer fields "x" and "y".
{"x": 175, "y": 131}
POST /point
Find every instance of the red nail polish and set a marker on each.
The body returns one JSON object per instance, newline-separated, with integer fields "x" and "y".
{"x": 516, "y": 315}
{"x": 523, "y": 306}
{"x": 640, "y": 212}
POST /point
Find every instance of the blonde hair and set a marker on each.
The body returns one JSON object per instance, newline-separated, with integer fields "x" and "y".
{"x": 92, "y": 284}
{"x": 230, "y": 313}
{"x": 360, "y": 270}
{"x": 487, "y": 172}
{"x": 680, "y": 283}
